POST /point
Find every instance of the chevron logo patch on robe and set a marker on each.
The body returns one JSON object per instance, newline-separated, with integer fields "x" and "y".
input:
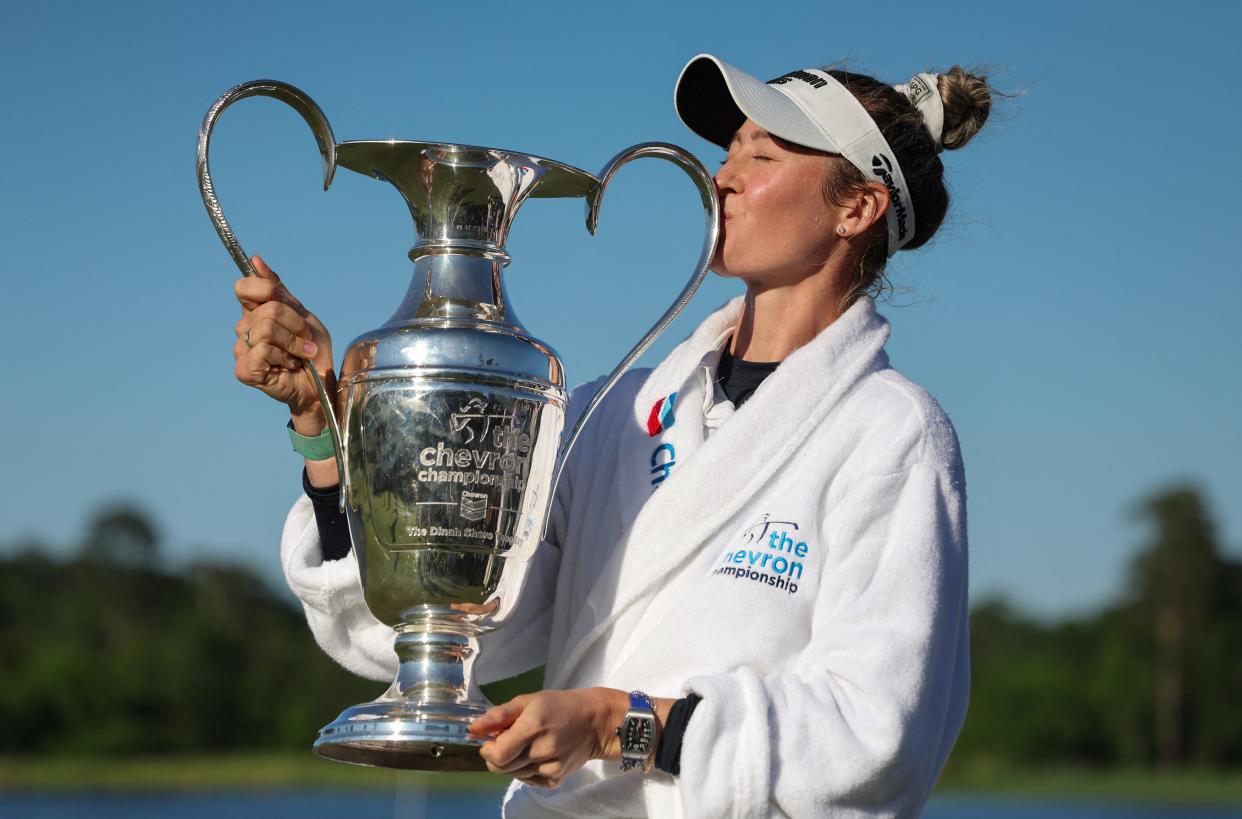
{"x": 661, "y": 416}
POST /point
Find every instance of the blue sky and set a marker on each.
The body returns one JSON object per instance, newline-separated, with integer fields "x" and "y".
{"x": 1076, "y": 316}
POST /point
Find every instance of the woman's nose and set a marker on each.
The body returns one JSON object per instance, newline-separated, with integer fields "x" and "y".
{"x": 727, "y": 179}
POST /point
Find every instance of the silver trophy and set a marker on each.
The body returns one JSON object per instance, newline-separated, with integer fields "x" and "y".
{"x": 449, "y": 437}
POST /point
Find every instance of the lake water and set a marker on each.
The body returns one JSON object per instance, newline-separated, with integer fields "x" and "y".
{"x": 414, "y": 805}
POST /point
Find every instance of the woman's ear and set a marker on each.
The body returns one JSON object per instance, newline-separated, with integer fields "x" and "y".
{"x": 864, "y": 208}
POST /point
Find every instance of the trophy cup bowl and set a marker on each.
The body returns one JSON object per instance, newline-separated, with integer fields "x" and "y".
{"x": 449, "y": 439}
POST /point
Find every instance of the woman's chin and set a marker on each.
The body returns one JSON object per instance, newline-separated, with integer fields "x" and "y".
{"x": 721, "y": 269}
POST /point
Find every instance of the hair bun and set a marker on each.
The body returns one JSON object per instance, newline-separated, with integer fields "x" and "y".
{"x": 967, "y": 99}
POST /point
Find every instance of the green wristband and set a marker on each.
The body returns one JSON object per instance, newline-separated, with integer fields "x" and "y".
{"x": 318, "y": 448}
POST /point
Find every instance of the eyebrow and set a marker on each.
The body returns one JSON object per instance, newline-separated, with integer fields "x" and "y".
{"x": 759, "y": 134}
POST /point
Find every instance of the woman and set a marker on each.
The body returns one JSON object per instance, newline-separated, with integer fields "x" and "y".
{"x": 794, "y": 594}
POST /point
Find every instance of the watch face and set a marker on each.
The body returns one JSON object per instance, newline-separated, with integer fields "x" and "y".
{"x": 637, "y": 734}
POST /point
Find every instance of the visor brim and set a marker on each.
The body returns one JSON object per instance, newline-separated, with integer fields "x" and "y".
{"x": 714, "y": 98}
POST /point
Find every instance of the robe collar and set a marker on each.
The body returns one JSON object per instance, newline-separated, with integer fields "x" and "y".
{"x": 722, "y": 473}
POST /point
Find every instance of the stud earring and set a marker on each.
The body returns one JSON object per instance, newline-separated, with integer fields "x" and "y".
{"x": 840, "y": 230}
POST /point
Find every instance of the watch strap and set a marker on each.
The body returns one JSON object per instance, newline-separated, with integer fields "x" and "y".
{"x": 318, "y": 448}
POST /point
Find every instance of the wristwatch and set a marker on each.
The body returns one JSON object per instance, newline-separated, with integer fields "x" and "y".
{"x": 638, "y": 732}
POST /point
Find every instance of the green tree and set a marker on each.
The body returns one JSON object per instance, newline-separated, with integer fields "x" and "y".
{"x": 1179, "y": 583}
{"x": 1187, "y": 594}
{"x": 1028, "y": 703}
{"x": 121, "y": 534}
{"x": 105, "y": 653}
{"x": 1153, "y": 678}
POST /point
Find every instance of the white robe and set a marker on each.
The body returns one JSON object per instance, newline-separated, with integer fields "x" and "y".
{"x": 800, "y": 563}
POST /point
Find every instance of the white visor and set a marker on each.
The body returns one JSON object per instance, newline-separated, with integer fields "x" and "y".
{"x": 808, "y": 108}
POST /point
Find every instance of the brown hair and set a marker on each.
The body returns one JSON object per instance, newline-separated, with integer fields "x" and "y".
{"x": 967, "y": 99}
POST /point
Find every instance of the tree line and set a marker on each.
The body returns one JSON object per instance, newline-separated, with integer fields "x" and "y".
{"x": 105, "y": 652}
{"x": 1153, "y": 679}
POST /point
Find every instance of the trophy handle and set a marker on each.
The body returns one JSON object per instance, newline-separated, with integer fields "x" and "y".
{"x": 711, "y": 210}
{"x": 319, "y": 126}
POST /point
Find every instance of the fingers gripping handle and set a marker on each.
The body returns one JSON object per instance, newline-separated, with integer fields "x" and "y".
{"x": 319, "y": 126}
{"x": 711, "y": 210}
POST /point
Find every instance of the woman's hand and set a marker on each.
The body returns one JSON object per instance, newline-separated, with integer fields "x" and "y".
{"x": 275, "y": 335}
{"x": 543, "y": 738}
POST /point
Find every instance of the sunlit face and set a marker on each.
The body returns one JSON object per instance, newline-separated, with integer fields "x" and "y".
{"x": 778, "y": 229}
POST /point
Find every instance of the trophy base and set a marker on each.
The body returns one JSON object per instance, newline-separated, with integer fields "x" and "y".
{"x": 404, "y": 735}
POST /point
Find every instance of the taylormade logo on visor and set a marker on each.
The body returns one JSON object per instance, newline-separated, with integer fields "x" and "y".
{"x": 883, "y": 168}
{"x": 818, "y": 82}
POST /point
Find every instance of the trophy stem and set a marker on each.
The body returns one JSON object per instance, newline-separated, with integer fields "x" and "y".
{"x": 433, "y": 646}
{"x": 421, "y": 721}
{"x": 456, "y": 285}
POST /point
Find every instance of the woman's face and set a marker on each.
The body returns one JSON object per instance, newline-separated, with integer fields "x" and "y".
{"x": 778, "y": 229}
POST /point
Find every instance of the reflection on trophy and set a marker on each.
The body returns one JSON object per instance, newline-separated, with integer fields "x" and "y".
{"x": 449, "y": 436}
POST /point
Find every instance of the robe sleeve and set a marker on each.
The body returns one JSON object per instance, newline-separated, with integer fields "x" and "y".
{"x": 861, "y": 722}
{"x": 331, "y": 595}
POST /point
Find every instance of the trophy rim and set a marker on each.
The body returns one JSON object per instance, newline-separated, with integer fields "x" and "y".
{"x": 542, "y": 161}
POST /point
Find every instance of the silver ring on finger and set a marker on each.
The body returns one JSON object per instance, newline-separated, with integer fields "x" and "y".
{"x": 246, "y": 338}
